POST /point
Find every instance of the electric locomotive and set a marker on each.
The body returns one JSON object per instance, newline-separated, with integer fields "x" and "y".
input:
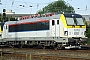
{"x": 58, "y": 31}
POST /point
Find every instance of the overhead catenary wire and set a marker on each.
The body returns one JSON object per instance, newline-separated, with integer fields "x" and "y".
{"x": 26, "y": 5}
{"x": 5, "y": 4}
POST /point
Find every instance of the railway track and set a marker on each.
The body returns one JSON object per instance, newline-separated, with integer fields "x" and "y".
{"x": 37, "y": 57}
{"x": 36, "y": 49}
{"x": 39, "y": 49}
{"x": 60, "y": 54}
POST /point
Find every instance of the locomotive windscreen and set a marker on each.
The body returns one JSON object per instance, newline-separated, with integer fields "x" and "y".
{"x": 74, "y": 19}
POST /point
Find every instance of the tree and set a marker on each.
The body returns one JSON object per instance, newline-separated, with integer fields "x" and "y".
{"x": 59, "y": 6}
{"x": 8, "y": 19}
{"x": 87, "y": 30}
{"x": 0, "y": 17}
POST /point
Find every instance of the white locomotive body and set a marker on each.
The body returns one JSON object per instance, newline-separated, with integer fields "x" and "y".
{"x": 61, "y": 30}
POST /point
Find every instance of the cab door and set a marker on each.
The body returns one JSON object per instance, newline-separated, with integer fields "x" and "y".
{"x": 57, "y": 29}
{"x": 54, "y": 28}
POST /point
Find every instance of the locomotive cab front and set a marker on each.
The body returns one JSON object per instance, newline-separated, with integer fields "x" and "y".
{"x": 75, "y": 30}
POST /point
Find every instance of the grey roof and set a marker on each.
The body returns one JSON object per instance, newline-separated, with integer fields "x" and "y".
{"x": 34, "y": 19}
{"x": 87, "y": 17}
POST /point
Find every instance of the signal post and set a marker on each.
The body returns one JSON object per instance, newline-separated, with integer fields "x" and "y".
{"x": 4, "y": 15}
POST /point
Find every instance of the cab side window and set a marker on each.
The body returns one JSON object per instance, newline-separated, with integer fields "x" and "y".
{"x": 53, "y": 22}
{"x": 6, "y": 26}
{"x": 57, "y": 21}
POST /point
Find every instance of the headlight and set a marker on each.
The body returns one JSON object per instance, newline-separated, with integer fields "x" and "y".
{"x": 65, "y": 33}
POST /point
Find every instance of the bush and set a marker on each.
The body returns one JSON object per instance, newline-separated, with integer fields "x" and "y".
{"x": 88, "y": 42}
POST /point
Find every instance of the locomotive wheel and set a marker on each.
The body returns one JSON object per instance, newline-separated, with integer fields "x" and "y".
{"x": 21, "y": 45}
{"x": 44, "y": 47}
{"x": 10, "y": 45}
{"x": 59, "y": 47}
{"x": 55, "y": 48}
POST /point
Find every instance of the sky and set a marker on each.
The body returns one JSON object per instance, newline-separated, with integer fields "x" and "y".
{"x": 26, "y": 8}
